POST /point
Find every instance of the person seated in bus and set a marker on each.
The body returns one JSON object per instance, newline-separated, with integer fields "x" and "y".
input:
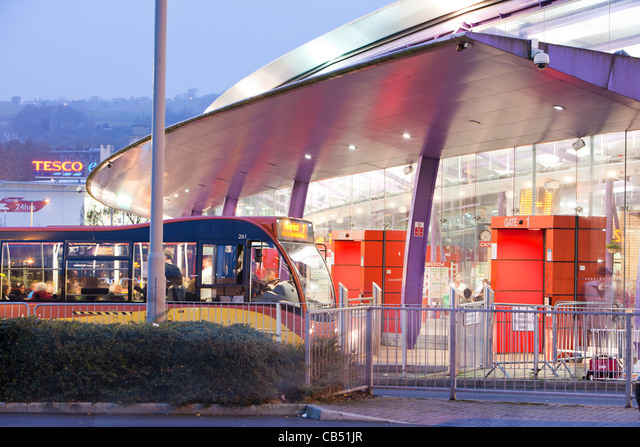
{"x": 270, "y": 278}
{"x": 192, "y": 292}
{"x": 17, "y": 292}
{"x": 173, "y": 276}
{"x": 40, "y": 293}
{"x": 177, "y": 293}
{"x": 262, "y": 280}
{"x": 73, "y": 287}
{"x": 32, "y": 290}
{"x": 115, "y": 291}
{"x": 239, "y": 270}
{"x": 274, "y": 289}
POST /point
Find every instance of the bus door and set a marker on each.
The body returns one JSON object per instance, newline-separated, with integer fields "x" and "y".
{"x": 222, "y": 278}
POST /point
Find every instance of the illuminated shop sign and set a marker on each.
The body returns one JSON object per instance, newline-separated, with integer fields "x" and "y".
{"x": 57, "y": 166}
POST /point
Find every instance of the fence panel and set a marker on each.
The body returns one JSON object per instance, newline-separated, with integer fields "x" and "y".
{"x": 506, "y": 348}
{"x": 91, "y": 312}
{"x": 573, "y": 350}
{"x": 283, "y": 322}
{"x": 14, "y": 310}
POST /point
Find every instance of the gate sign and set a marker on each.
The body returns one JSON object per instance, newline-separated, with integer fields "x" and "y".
{"x": 418, "y": 229}
{"x": 524, "y": 321}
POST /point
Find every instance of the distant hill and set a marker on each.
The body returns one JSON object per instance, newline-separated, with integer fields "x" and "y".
{"x": 79, "y": 124}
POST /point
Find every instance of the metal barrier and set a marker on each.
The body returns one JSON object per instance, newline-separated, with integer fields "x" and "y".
{"x": 14, "y": 310}
{"x": 503, "y": 348}
{"x": 498, "y": 349}
{"x": 283, "y": 322}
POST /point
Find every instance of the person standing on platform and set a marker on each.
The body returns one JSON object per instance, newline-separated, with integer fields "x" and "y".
{"x": 458, "y": 288}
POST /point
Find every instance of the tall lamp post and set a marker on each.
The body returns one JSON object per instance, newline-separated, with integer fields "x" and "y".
{"x": 156, "y": 292}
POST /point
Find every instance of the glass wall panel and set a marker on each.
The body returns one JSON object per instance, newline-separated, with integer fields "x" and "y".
{"x": 398, "y": 184}
{"x": 595, "y": 177}
{"x": 458, "y": 221}
{"x": 522, "y": 195}
{"x": 631, "y": 234}
{"x": 602, "y": 25}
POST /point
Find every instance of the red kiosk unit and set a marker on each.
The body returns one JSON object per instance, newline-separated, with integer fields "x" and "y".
{"x": 538, "y": 261}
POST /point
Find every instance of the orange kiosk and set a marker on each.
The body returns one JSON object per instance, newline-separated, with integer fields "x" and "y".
{"x": 363, "y": 257}
{"x": 538, "y": 261}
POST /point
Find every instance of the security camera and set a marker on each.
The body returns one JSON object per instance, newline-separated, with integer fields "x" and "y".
{"x": 79, "y": 190}
{"x": 578, "y": 144}
{"x": 541, "y": 60}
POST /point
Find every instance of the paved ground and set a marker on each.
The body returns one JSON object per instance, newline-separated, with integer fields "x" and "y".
{"x": 465, "y": 413}
{"x": 412, "y": 411}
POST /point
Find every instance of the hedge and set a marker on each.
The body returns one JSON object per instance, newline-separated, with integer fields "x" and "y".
{"x": 174, "y": 362}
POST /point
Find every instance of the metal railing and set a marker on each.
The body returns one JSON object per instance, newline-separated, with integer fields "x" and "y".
{"x": 497, "y": 349}
{"x": 575, "y": 349}
{"x": 283, "y": 322}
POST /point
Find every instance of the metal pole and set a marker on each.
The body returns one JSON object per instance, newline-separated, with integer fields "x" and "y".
{"x": 536, "y": 345}
{"x": 307, "y": 348}
{"x": 628, "y": 360}
{"x": 369, "y": 349}
{"x": 156, "y": 292}
{"x": 453, "y": 366}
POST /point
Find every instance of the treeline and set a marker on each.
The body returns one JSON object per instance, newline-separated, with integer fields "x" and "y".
{"x": 83, "y": 124}
{"x": 17, "y": 159}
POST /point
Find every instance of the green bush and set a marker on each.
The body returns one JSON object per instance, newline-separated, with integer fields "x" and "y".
{"x": 174, "y": 362}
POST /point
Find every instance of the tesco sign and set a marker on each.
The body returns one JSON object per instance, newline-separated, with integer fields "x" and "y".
{"x": 57, "y": 166}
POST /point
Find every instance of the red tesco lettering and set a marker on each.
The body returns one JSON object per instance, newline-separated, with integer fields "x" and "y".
{"x": 53, "y": 166}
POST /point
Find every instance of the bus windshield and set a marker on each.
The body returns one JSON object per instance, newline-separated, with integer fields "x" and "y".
{"x": 313, "y": 273}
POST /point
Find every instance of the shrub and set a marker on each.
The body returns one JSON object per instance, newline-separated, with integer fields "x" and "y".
{"x": 175, "y": 362}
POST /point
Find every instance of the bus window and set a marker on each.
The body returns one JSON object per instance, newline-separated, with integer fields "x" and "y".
{"x": 97, "y": 271}
{"x": 96, "y": 249}
{"x": 312, "y": 272}
{"x": 97, "y": 280}
{"x": 222, "y": 276}
{"x": 30, "y": 267}
{"x": 271, "y": 280}
{"x": 180, "y": 261}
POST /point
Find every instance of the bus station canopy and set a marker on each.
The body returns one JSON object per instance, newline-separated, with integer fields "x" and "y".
{"x": 463, "y": 94}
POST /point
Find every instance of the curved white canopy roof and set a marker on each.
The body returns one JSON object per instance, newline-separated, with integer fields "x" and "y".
{"x": 273, "y": 129}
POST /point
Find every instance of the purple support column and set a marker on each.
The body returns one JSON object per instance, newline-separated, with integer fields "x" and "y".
{"x": 229, "y": 207}
{"x": 298, "y": 198}
{"x": 233, "y": 192}
{"x": 416, "y": 246}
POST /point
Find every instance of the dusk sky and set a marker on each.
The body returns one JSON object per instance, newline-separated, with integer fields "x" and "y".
{"x": 76, "y": 49}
